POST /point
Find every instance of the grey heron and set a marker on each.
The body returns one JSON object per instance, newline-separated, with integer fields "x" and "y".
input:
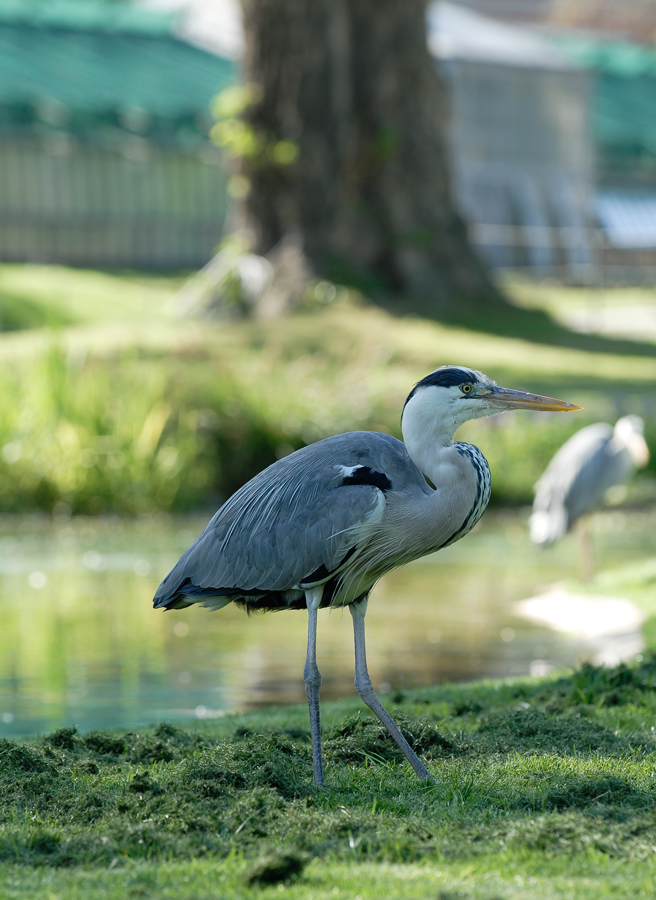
{"x": 577, "y": 479}
{"x": 319, "y": 527}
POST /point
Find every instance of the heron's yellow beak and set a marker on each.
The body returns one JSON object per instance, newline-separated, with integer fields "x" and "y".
{"x": 503, "y": 398}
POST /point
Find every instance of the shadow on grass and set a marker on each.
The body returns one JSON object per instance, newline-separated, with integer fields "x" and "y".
{"x": 504, "y": 319}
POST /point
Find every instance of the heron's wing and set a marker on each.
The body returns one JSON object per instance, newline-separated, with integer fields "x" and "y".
{"x": 295, "y": 522}
{"x": 573, "y": 483}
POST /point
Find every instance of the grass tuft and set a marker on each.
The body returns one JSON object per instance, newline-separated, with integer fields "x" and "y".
{"x": 275, "y": 866}
{"x": 360, "y": 737}
{"x": 601, "y": 686}
{"x": 530, "y": 730}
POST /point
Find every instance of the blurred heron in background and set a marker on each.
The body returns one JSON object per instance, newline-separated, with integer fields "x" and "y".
{"x": 578, "y": 478}
{"x": 319, "y": 527}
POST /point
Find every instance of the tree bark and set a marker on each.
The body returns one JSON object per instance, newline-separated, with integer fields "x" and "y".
{"x": 367, "y": 200}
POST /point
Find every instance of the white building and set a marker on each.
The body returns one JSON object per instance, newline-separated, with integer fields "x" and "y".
{"x": 520, "y": 136}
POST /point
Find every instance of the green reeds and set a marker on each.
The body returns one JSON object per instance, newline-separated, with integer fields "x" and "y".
{"x": 136, "y": 432}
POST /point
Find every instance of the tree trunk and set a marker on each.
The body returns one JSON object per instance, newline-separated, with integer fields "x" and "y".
{"x": 367, "y": 199}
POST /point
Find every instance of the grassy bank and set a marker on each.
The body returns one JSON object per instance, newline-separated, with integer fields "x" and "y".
{"x": 543, "y": 788}
{"x": 123, "y": 407}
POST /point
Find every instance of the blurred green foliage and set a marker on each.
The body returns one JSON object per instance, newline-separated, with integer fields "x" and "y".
{"x": 236, "y": 135}
{"x": 131, "y": 409}
{"x": 125, "y": 435}
{"x": 18, "y": 313}
{"x": 132, "y": 434}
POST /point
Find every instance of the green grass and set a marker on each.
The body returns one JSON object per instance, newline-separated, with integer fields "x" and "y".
{"x": 32, "y": 296}
{"x": 543, "y": 788}
{"x": 629, "y": 309}
{"x": 129, "y": 409}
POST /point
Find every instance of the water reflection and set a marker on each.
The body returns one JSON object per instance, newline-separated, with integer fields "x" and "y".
{"x": 80, "y": 643}
{"x": 609, "y": 626}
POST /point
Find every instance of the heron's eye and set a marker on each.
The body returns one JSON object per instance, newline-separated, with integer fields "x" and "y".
{"x": 467, "y": 388}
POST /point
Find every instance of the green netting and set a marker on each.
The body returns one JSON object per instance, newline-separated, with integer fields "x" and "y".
{"x": 98, "y": 15}
{"x": 98, "y": 59}
{"x": 624, "y": 104}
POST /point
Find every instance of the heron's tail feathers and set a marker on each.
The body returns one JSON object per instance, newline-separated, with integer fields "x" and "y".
{"x": 546, "y": 527}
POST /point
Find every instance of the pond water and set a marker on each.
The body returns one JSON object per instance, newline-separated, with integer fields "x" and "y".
{"x": 80, "y": 643}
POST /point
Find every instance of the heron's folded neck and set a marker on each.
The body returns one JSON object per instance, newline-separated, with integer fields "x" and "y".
{"x": 427, "y": 437}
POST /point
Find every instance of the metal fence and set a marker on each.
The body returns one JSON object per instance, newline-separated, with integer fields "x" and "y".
{"x": 517, "y": 248}
{"x": 139, "y": 206}
{"x": 521, "y": 156}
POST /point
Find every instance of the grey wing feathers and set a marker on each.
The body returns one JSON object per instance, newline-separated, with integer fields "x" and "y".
{"x": 290, "y": 520}
{"x": 574, "y": 482}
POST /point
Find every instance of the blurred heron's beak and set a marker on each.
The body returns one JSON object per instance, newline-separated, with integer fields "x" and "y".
{"x": 503, "y": 398}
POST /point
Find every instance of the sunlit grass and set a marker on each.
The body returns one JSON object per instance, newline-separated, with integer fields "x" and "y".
{"x": 69, "y": 296}
{"x": 495, "y": 877}
{"x": 556, "y": 297}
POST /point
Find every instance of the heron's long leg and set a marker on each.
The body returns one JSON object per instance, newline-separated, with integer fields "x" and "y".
{"x": 365, "y": 689}
{"x": 312, "y": 679}
{"x": 586, "y": 550}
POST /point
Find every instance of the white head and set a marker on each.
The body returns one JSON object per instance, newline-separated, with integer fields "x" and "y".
{"x": 451, "y": 395}
{"x": 629, "y": 432}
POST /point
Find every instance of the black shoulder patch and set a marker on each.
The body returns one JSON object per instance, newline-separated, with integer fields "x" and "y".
{"x": 367, "y": 475}
{"x": 445, "y": 376}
